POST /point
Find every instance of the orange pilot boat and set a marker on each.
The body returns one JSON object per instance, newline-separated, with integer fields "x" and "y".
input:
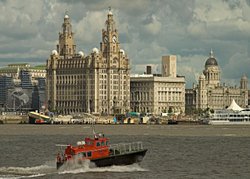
{"x": 101, "y": 153}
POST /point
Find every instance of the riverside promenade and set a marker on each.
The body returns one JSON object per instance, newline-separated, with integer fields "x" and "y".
{"x": 13, "y": 119}
{"x": 24, "y": 119}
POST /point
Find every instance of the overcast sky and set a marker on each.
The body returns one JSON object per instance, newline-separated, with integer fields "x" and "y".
{"x": 148, "y": 30}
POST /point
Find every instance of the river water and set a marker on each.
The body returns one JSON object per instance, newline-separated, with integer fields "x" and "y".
{"x": 174, "y": 151}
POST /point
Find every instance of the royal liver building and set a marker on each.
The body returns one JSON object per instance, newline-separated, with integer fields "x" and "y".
{"x": 98, "y": 83}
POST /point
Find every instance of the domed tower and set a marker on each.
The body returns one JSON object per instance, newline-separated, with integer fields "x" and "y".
{"x": 66, "y": 46}
{"x": 212, "y": 71}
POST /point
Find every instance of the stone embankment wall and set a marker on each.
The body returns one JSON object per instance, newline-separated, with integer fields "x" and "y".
{"x": 13, "y": 119}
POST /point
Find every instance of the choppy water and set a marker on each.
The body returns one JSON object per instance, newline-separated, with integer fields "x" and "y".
{"x": 29, "y": 151}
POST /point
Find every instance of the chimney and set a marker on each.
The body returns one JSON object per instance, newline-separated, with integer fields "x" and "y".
{"x": 149, "y": 70}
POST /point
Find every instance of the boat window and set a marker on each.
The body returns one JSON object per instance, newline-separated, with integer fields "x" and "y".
{"x": 98, "y": 144}
{"x": 107, "y": 142}
{"x": 89, "y": 154}
{"x": 79, "y": 155}
{"x": 103, "y": 143}
{"x": 89, "y": 143}
{"x": 84, "y": 154}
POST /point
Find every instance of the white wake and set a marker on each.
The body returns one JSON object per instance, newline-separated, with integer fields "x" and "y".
{"x": 27, "y": 172}
{"x": 71, "y": 168}
{"x": 87, "y": 166}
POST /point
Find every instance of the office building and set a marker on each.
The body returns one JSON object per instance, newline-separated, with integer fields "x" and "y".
{"x": 158, "y": 93}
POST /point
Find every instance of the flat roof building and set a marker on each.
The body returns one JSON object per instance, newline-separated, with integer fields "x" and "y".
{"x": 158, "y": 93}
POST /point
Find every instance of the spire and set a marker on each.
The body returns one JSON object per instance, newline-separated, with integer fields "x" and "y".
{"x": 66, "y": 14}
{"x": 66, "y": 46}
{"x": 211, "y": 53}
{"x": 67, "y": 27}
{"x": 110, "y": 12}
{"x": 110, "y": 22}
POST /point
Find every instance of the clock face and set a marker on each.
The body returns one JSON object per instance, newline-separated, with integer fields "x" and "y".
{"x": 105, "y": 39}
{"x": 114, "y": 39}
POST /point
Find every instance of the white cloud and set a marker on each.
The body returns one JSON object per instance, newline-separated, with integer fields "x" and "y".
{"x": 148, "y": 30}
{"x": 88, "y": 29}
{"x": 237, "y": 65}
{"x": 153, "y": 26}
{"x": 191, "y": 67}
{"x": 198, "y": 29}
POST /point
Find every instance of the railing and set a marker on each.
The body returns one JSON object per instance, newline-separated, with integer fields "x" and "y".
{"x": 124, "y": 148}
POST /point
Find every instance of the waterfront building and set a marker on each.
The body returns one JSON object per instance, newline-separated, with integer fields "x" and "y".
{"x": 19, "y": 99}
{"x": 39, "y": 95}
{"x": 13, "y": 70}
{"x": 5, "y": 83}
{"x": 169, "y": 66}
{"x": 97, "y": 83}
{"x": 158, "y": 93}
{"x": 17, "y": 82}
{"x": 209, "y": 93}
{"x": 248, "y": 97}
{"x": 36, "y": 103}
{"x": 25, "y": 77}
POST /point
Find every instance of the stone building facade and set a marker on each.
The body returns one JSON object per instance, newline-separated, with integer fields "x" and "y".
{"x": 98, "y": 83}
{"x": 209, "y": 93}
{"x": 158, "y": 93}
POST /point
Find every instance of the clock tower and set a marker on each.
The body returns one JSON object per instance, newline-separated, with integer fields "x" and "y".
{"x": 113, "y": 72}
{"x": 110, "y": 42}
{"x": 98, "y": 83}
{"x": 66, "y": 46}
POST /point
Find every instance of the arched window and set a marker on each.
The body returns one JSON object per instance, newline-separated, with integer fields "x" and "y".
{"x": 115, "y": 62}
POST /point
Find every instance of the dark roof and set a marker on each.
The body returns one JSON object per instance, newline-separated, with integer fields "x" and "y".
{"x": 211, "y": 61}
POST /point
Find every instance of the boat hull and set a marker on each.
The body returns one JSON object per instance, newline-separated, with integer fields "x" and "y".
{"x": 227, "y": 122}
{"x": 120, "y": 159}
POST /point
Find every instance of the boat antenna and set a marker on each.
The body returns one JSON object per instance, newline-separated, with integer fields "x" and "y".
{"x": 93, "y": 128}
